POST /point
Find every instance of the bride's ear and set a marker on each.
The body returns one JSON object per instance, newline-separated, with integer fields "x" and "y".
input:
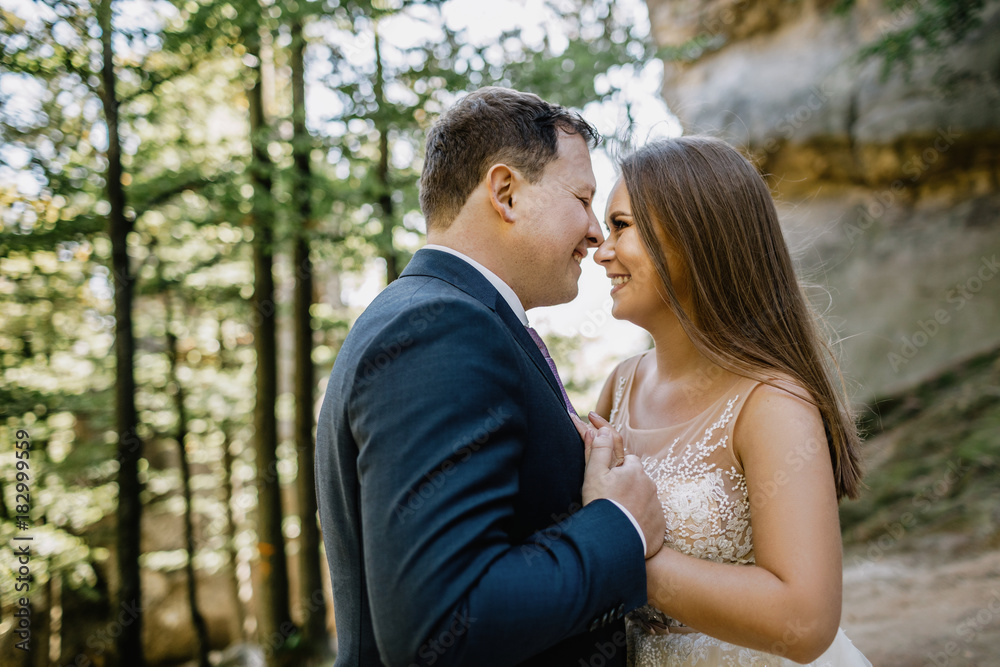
{"x": 502, "y": 183}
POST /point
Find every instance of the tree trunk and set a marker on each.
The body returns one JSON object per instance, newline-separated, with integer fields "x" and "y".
{"x": 200, "y": 629}
{"x": 273, "y": 615}
{"x": 228, "y": 491}
{"x": 386, "y": 248}
{"x": 227, "y": 487}
{"x": 4, "y": 512}
{"x": 310, "y": 563}
{"x": 129, "y": 514}
{"x": 41, "y": 616}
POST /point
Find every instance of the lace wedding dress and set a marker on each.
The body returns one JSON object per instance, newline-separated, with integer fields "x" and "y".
{"x": 704, "y": 497}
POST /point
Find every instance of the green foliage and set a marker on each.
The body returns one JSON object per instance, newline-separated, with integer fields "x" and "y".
{"x": 693, "y": 49}
{"x": 397, "y": 92}
{"x": 842, "y": 7}
{"x": 186, "y": 153}
{"x": 918, "y": 28}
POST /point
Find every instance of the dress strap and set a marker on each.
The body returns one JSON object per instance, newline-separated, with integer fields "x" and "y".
{"x": 741, "y": 391}
{"x": 624, "y": 378}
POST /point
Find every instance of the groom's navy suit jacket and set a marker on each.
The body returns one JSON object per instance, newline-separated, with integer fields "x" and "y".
{"x": 449, "y": 483}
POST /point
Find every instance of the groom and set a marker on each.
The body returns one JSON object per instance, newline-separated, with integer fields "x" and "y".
{"x": 449, "y": 472}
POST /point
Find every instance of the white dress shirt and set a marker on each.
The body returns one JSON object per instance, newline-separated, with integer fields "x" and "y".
{"x": 515, "y": 305}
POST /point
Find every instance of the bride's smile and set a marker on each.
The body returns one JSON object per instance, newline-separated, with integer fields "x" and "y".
{"x": 617, "y": 281}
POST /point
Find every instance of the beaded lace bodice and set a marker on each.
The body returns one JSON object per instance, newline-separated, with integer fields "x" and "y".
{"x": 699, "y": 481}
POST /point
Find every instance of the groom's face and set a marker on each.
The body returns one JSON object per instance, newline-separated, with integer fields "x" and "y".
{"x": 561, "y": 225}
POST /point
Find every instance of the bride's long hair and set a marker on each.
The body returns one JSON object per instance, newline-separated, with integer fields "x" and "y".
{"x": 750, "y": 316}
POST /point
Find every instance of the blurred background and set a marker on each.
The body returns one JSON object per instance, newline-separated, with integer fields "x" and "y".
{"x": 198, "y": 197}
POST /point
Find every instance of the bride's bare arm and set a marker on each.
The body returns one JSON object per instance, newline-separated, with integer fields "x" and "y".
{"x": 789, "y": 603}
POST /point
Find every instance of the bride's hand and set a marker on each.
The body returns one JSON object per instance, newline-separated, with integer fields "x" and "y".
{"x": 588, "y": 433}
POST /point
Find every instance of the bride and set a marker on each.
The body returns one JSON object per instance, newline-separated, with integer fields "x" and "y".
{"x": 735, "y": 414}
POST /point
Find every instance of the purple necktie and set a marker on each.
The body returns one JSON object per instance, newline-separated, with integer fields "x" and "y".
{"x": 552, "y": 366}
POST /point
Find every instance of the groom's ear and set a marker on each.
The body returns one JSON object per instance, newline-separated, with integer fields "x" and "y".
{"x": 502, "y": 183}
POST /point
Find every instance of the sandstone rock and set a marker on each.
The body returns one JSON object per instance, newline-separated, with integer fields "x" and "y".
{"x": 888, "y": 187}
{"x": 800, "y": 82}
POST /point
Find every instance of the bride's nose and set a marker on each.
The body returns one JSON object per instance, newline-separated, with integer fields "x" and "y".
{"x": 605, "y": 252}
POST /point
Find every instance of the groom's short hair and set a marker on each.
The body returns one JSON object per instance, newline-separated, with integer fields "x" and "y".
{"x": 490, "y": 126}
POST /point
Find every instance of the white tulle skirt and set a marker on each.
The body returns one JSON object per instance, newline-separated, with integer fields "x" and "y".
{"x": 699, "y": 650}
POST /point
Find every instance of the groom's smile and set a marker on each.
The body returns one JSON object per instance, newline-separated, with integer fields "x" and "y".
{"x": 560, "y": 224}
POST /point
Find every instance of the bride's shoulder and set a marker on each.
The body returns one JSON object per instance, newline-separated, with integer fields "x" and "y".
{"x": 779, "y": 385}
{"x": 777, "y": 410}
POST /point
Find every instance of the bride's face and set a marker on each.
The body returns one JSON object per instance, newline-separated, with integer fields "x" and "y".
{"x": 635, "y": 285}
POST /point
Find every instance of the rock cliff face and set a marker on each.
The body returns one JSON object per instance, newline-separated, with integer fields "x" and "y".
{"x": 888, "y": 187}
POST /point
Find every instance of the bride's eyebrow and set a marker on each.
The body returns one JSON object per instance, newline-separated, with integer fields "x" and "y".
{"x": 618, "y": 214}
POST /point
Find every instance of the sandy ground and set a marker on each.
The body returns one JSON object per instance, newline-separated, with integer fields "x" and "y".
{"x": 934, "y": 605}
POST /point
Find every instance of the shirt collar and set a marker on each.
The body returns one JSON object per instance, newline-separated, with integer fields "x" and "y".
{"x": 505, "y": 291}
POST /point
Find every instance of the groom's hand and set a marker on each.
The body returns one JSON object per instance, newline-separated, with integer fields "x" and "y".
{"x": 627, "y": 484}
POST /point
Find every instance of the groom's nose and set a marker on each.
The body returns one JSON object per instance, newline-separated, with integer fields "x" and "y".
{"x": 595, "y": 236}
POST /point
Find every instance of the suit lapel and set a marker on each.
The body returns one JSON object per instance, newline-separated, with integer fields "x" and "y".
{"x": 455, "y": 271}
{"x": 527, "y": 344}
